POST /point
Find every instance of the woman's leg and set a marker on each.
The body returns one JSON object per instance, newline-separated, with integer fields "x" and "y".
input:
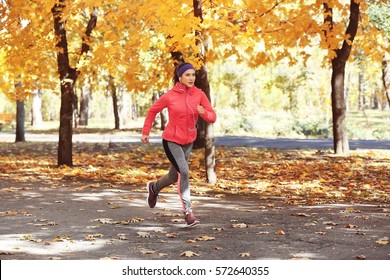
{"x": 178, "y": 155}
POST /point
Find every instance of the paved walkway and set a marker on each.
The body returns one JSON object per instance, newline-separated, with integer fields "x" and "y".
{"x": 235, "y": 141}
{"x": 43, "y": 222}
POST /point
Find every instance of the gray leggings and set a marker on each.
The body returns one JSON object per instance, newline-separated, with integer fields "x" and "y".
{"x": 179, "y": 172}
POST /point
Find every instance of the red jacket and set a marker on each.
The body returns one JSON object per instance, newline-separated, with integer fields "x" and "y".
{"x": 183, "y": 114}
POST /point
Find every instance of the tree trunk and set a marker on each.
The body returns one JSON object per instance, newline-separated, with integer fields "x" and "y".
{"x": 201, "y": 82}
{"x": 361, "y": 98}
{"x": 76, "y": 113}
{"x": 84, "y": 102}
{"x": 20, "y": 135}
{"x": 162, "y": 118}
{"x": 205, "y": 129}
{"x": 113, "y": 92}
{"x": 36, "y": 108}
{"x": 386, "y": 77}
{"x": 68, "y": 77}
{"x": 340, "y": 133}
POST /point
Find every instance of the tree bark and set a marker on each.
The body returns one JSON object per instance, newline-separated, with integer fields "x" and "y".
{"x": 68, "y": 77}
{"x": 36, "y": 108}
{"x": 84, "y": 102}
{"x": 386, "y": 77}
{"x": 361, "y": 97}
{"x": 205, "y": 129}
{"x": 114, "y": 96}
{"x": 340, "y": 133}
{"x": 20, "y": 116}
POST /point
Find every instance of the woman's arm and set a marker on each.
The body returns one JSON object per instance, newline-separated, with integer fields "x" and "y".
{"x": 156, "y": 108}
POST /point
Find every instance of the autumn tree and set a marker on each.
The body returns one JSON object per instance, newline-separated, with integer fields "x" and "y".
{"x": 379, "y": 15}
{"x": 68, "y": 76}
{"x": 340, "y": 132}
{"x": 284, "y": 29}
{"x": 134, "y": 43}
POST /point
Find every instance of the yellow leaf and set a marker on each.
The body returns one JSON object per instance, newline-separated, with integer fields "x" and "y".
{"x": 244, "y": 255}
{"x": 383, "y": 241}
{"x": 143, "y": 234}
{"x": 241, "y": 225}
{"x": 189, "y": 254}
{"x": 205, "y": 238}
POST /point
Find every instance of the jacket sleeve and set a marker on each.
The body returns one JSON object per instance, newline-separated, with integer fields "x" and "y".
{"x": 156, "y": 108}
{"x": 209, "y": 114}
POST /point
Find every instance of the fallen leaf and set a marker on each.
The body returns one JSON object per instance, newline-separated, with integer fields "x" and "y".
{"x": 244, "y": 255}
{"x": 136, "y": 220}
{"x": 205, "y": 238}
{"x": 143, "y": 234}
{"x": 352, "y": 210}
{"x": 361, "y": 257}
{"x": 110, "y": 258}
{"x": 61, "y": 238}
{"x": 171, "y": 235}
{"x": 189, "y": 254}
{"x": 123, "y": 236}
{"x": 301, "y": 215}
{"x": 329, "y": 223}
{"x": 106, "y": 221}
{"x": 351, "y": 226}
{"x": 240, "y": 225}
{"x": 190, "y": 241}
{"x": 383, "y": 241}
{"x": 93, "y": 236}
{"x": 170, "y": 215}
{"x": 147, "y": 251}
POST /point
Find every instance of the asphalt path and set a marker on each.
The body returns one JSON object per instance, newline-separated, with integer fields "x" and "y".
{"x": 230, "y": 141}
{"x": 39, "y": 221}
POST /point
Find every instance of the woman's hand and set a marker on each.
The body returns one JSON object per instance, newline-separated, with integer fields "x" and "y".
{"x": 200, "y": 109}
{"x": 145, "y": 138}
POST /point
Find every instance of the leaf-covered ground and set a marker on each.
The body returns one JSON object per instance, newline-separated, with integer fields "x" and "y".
{"x": 299, "y": 176}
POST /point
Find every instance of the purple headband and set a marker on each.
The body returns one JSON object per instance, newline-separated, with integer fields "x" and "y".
{"x": 184, "y": 68}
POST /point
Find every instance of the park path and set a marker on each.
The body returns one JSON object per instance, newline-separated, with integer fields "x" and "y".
{"x": 232, "y": 141}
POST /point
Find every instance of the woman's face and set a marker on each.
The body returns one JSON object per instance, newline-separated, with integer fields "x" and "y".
{"x": 188, "y": 78}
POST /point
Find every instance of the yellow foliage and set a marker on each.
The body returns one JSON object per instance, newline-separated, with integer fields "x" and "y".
{"x": 132, "y": 36}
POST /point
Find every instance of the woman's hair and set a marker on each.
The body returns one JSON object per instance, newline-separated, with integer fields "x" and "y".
{"x": 175, "y": 73}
